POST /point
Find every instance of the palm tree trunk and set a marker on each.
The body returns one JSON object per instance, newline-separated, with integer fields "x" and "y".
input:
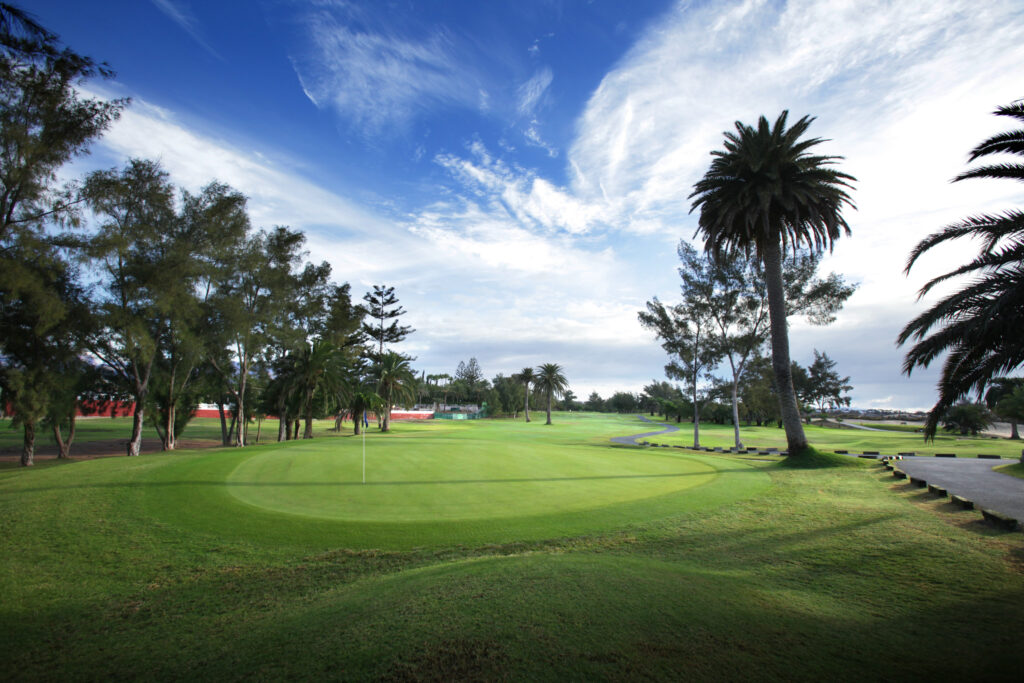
{"x": 526, "y": 402}
{"x": 308, "y": 433}
{"x": 549, "y": 407}
{"x": 795, "y": 439}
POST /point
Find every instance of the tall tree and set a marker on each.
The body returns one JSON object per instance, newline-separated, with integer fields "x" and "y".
{"x": 526, "y": 376}
{"x": 977, "y": 327}
{"x": 966, "y": 418}
{"x": 552, "y": 382}
{"x": 253, "y": 291}
{"x": 44, "y": 123}
{"x": 763, "y": 194}
{"x": 827, "y": 388}
{"x": 383, "y": 309}
{"x": 1011, "y": 407}
{"x": 319, "y": 368}
{"x": 471, "y": 377}
{"x": 1005, "y": 397}
{"x": 395, "y": 381}
{"x": 594, "y": 403}
{"x": 208, "y": 227}
{"x": 685, "y": 330}
{"x": 132, "y": 251}
{"x": 40, "y": 370}
{"x": 363, "y": 399}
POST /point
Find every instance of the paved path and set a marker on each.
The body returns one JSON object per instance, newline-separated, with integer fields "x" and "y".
{"x": 631, "y": 440}
{"x": 854, "y": 425}
{"x": 971, "y": 478}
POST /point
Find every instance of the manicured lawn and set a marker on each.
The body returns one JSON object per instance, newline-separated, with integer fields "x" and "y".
{"x": 854, "y": 440}
{"x": 101, "y": 428}
{"x": 159, "y": 567}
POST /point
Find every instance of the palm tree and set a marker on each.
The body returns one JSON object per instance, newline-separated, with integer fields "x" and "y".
{"x": 318, "y": 367}
{"x": 765, "y": 193}
{"x": 552, "y": 382}
{"x": 395, "y": 382}
{"x": 526, "y": 376}
{"x": 1005, "y": 397}
{"x": 361, "y": 400}
{"x": 980, "y": 324}
{"x": 279, "y": 394}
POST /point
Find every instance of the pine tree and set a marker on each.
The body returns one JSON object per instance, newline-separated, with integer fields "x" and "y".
{"x": 381, "y": 307}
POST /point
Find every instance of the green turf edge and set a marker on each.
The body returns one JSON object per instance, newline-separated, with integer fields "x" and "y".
{"x": 1014, "y": 470}
{"x": 812, "y": 458}
{"x": 223, "y": 516}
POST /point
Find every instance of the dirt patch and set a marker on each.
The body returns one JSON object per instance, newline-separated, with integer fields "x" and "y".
{"x": 103, "y": 448}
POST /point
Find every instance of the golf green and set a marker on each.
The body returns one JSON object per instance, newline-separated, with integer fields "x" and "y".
{"x": 407, "y": 481}
{"x": 439, "y": 484}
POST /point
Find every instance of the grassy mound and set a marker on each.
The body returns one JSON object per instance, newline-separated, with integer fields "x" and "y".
{"x": 812, "y": 458}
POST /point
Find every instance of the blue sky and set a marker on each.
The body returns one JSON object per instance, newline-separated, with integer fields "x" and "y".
{"x": 519, "y": 170}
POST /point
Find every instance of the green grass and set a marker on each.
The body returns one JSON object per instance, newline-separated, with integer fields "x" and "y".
{"x": 102, "y": 428}
{"x": 152, "y": 567}
{"x": 1014, "y": 470}
{"x": 854, "y": 440}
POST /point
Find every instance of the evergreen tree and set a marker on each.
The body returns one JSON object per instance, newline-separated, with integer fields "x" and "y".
{"x": 383, "y": 328}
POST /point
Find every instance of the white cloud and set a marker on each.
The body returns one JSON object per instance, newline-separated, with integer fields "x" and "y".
{"x": 276, "y": 196}
{"x": 376, "y": 78}
{"x": 183, "y": 17}
{"x": 531, "y": 92}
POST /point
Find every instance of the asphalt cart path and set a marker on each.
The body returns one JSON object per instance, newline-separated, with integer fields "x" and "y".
{"x": 631, "y": 440}
{"x": 974, "y": 479}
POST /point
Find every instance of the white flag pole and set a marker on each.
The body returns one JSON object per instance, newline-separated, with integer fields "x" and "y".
{"x": 364, "y": 453}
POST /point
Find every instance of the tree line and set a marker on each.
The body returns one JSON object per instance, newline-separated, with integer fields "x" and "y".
{"x": 508, "y": 395}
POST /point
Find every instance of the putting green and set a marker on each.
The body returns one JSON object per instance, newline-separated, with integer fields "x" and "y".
{"x": 438, "y": 484}
{"x": 408, "y": 482}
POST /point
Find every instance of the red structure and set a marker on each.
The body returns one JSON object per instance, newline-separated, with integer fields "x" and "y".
{"x": 127, "y": 409}
{"x": 106, "y": 408}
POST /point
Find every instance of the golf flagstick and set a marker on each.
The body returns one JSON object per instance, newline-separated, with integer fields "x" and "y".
{"x": 364, "y": 455}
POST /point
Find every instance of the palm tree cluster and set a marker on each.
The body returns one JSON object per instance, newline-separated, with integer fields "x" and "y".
{"x": 979, "y": 327}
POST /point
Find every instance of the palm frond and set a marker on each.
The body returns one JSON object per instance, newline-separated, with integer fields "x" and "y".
{"x": 1011, "y": 142}
{"x": 1004, "y": 171}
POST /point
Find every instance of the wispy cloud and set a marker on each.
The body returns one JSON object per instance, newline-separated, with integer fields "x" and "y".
{"x": 183, "y": 17}
{"x": 531, "y": 92}
{"x": 902, "y": 90}
{"x": 375, "y": 78}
